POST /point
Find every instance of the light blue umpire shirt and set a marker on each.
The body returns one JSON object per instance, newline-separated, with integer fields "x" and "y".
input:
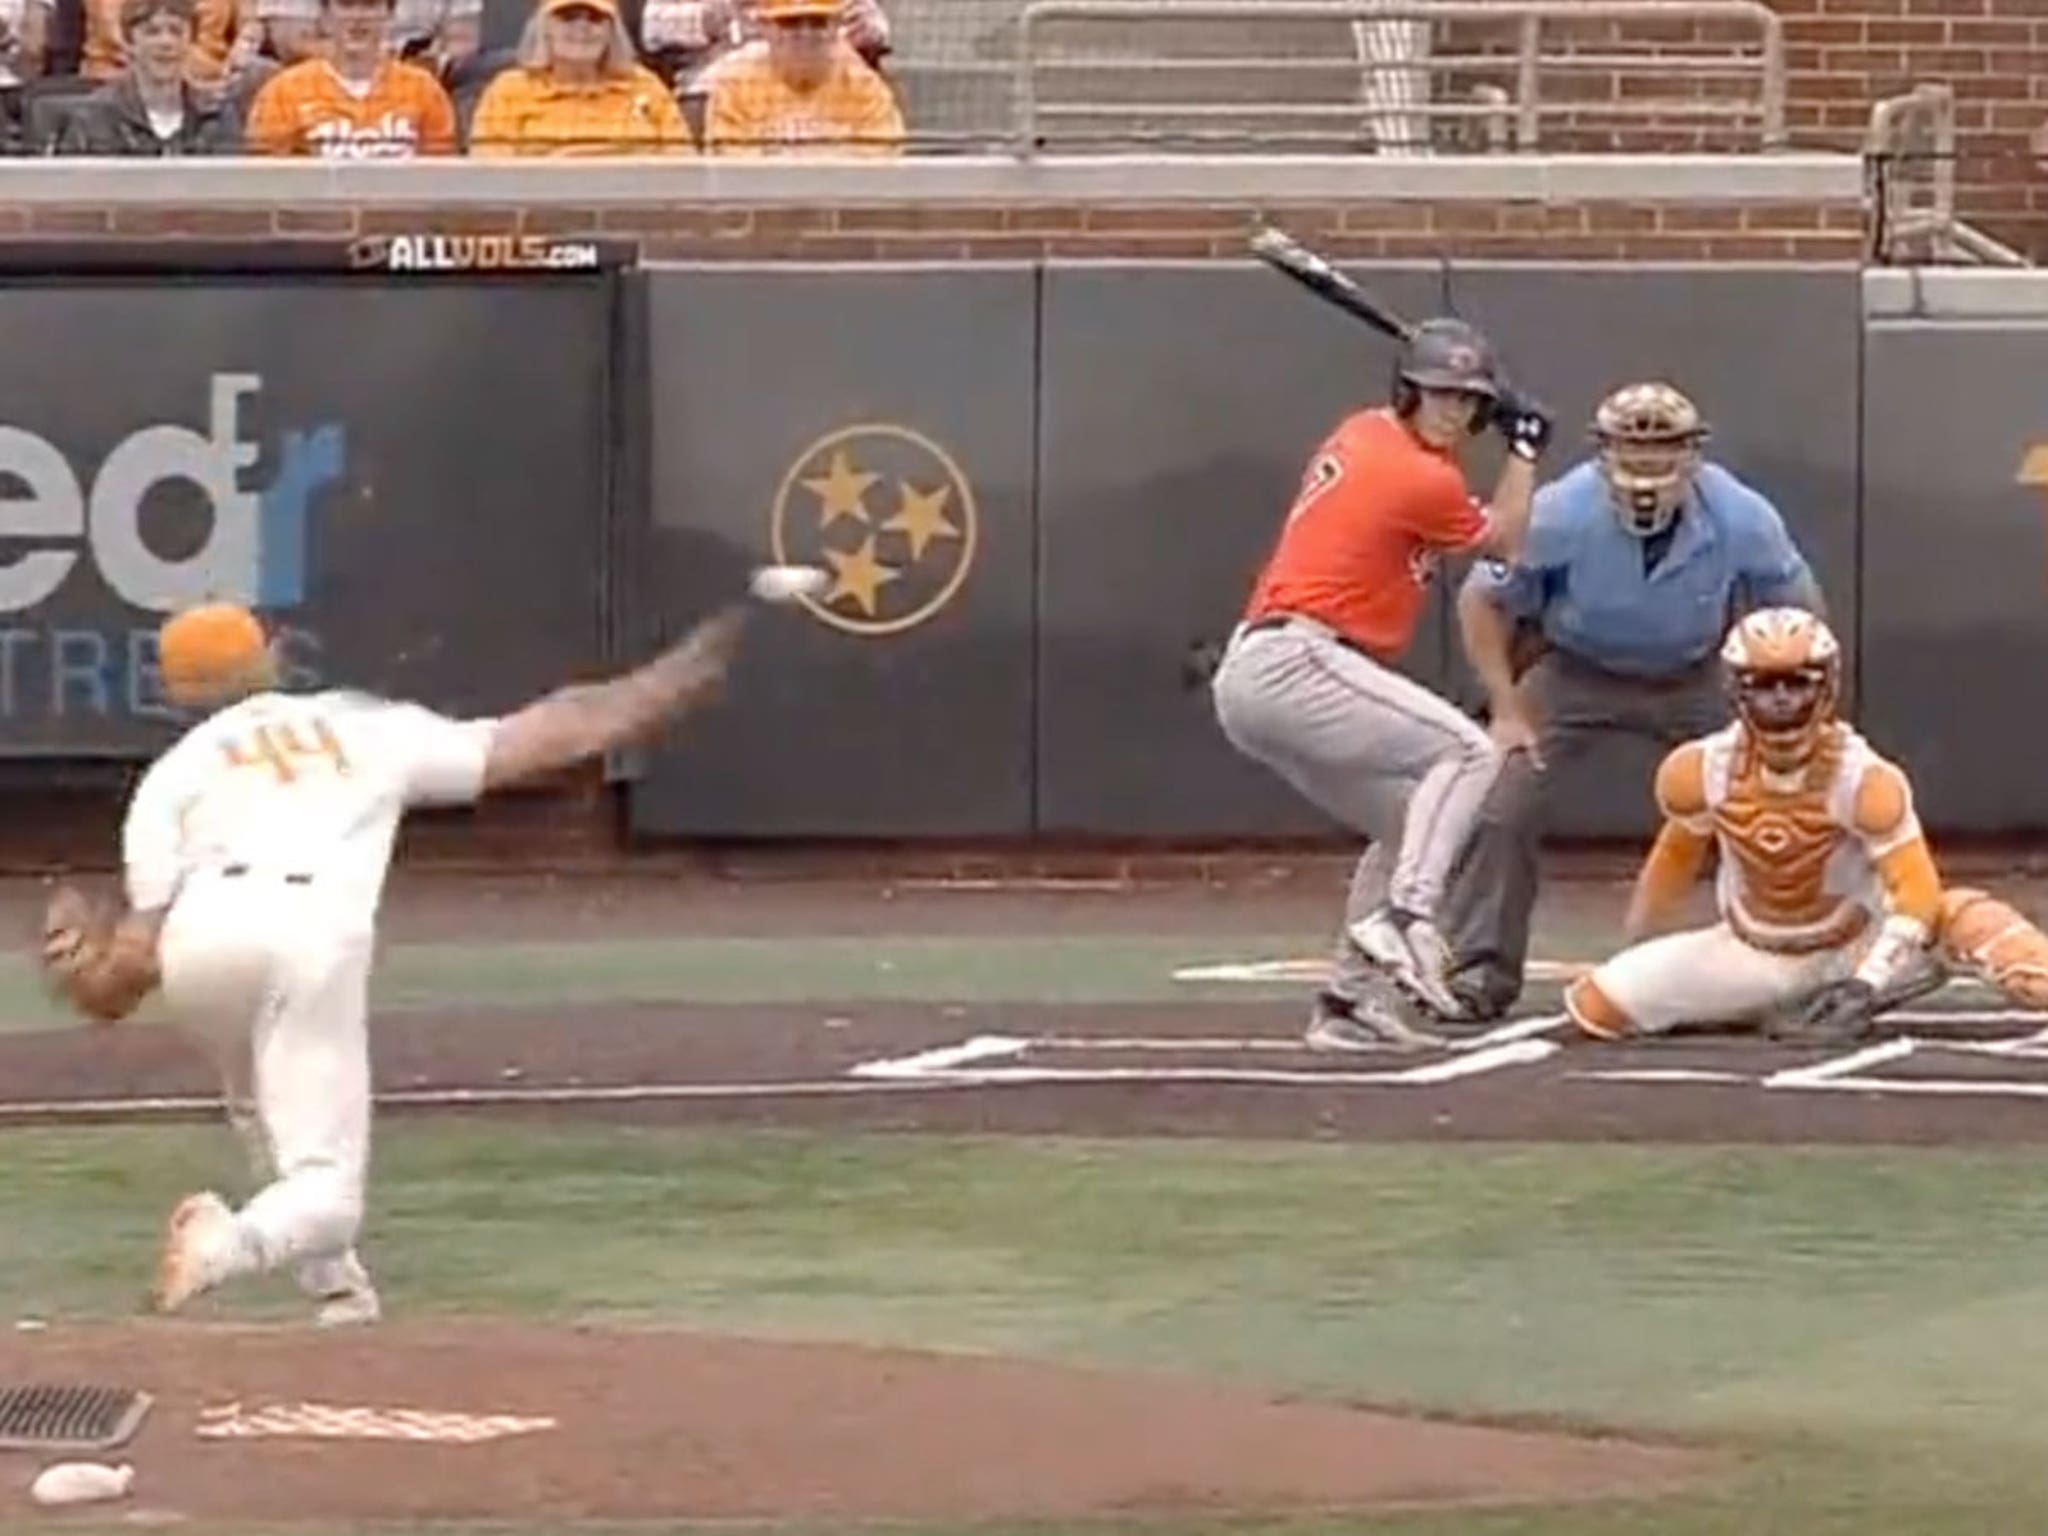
{"x": 1647, "y": 607}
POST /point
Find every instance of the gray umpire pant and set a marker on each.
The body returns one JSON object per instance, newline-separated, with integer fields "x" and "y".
{"x": 1375, "y": 750}
{"x": 1492, "y": 892}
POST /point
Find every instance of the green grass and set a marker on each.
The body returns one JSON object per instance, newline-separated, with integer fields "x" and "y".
{"x": 1867, "y": 1320}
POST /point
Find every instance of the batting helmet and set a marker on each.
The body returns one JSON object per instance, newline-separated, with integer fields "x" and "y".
{"x": 1649, "y": 436}
{"x": 1445, "y": 354}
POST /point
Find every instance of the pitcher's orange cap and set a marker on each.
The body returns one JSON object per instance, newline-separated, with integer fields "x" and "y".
{"x": 205, "y": 651}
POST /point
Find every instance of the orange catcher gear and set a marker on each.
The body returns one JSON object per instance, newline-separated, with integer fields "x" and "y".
{"x": 211, "y": 652}
{"x": 1993, "y": 941}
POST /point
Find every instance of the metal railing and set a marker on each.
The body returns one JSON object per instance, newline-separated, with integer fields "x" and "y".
{"x": 1404, "y": 86}
{"x": 1909, "y": 158}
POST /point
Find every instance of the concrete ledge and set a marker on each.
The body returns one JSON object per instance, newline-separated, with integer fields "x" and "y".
{"x": 1258, "y": 180}
{"x": 1955, "y": 293}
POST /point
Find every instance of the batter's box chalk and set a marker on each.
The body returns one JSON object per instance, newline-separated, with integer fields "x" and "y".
{"x": 325, "y": 1421}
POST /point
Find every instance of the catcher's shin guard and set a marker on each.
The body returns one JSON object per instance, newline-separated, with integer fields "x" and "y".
{"x": 1993, "y": 941}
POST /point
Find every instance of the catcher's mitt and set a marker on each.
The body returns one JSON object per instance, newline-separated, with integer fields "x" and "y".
{"x": 1839, "y": 1013}
{"x": 96, "y": 960}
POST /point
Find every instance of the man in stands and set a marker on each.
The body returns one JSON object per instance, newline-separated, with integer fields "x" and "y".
{"x": 225, "y": 36}
{"x": 151, "y": 107}
{"x": 801, "y": 87}
{"x": 683, "y": 38}
{"x": 438, "y": 35}
{"x": 357, "y": 102}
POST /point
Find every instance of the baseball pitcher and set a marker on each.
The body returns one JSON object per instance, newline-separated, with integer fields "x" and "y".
{"x": 255, "y": 852}
{"x": 1307, "y": 684}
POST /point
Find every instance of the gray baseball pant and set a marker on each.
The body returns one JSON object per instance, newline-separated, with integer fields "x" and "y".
{"x": 1375, "y": 750}
{"x": 1493, "y": 889}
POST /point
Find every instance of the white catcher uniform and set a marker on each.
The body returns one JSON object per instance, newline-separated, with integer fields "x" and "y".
{"x": 267, "y": 830}
{"x": 1824, "y": 874}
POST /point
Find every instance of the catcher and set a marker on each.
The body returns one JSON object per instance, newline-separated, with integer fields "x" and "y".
{"x": 1831, "y": 908}
{"x": 255, "y": 852}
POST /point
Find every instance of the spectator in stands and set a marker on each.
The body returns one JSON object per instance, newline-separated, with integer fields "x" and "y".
{"x": 356, "y": 102}
{"x": 682, "y": 37}
{"x": 152, "y": 108}
{"x": 578, "y": 89}
{"x": 24, "y": 40}
{"x": 223, "y": 54}
{"x": 801, "y": 87}
{"x": 441, "y": 36}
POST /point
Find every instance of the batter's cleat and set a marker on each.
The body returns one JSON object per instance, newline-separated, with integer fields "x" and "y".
{"x": 1414, "y": 952}
{"x": 350, "y": 1309}
{"x": 199, "y": 1251}
{"x": 1377, "y": 1022}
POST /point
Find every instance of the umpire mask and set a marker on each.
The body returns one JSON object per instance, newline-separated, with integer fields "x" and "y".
{"x": 1649, "y": 438}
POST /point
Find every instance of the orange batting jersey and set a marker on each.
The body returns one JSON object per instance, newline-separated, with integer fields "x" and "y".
{"x": 1375, "y": 510}
{"x": 309, "y": 109}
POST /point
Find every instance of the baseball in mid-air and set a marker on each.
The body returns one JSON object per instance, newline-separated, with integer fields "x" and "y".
{"x": 787, "y": 583}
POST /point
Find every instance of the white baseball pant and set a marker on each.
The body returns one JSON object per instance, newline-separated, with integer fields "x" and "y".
{"x": 261, "y": 967}
{"x": 1375, "y": 750}
{"x": 1710, "y": 976}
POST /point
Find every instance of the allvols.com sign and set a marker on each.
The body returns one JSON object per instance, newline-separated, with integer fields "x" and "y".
{"x": 66, "y": 526}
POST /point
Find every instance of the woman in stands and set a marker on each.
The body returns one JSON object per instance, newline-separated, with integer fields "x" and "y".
{"x": 578, "y": 89}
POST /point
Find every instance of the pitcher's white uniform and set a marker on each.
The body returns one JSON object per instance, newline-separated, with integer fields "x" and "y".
{"x": 267, "y": 830}
{"x": 1808, "y": 869}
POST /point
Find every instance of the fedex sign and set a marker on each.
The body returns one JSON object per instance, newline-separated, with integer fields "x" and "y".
{"x": 59, "y": 525}
{"x": 254, "y": 553}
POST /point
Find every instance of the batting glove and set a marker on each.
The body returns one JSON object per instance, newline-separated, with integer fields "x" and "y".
{"x": 1524, "y": 423}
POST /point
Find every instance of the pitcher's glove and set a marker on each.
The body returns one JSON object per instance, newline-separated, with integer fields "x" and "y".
{"x": 1838, "y": 1014}
{"x": 100, "y": 963}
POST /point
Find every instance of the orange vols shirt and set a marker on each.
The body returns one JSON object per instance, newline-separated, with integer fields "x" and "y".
{"x": 308, "y": 109}
{"x": 528, "y": 112}
{"x": 752, "y": 110}
{"x": 1362, "y": 538}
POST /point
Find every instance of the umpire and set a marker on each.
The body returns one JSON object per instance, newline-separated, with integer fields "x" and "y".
{"x": 1636, "y": 562}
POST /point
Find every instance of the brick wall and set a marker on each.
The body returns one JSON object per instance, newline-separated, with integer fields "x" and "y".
{"x": 1843, "y": 56}
{"x": 1472, "y": 228}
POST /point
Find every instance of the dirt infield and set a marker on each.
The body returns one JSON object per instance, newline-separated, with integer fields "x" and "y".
{"x": 1961, "y": 1071}
{"x": 622, "y": 1425}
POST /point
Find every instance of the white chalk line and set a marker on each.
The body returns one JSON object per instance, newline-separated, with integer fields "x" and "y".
{"x": 941, "y": 1059}
{"x": 458, "y": 1098}
{"x": 1469, "y": 1064}
{"x": 1666, "y": 1075}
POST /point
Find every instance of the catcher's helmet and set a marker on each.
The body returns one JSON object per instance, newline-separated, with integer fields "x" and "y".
{"x": 1784, "y": 667}
{"x": 1445, "y": 354}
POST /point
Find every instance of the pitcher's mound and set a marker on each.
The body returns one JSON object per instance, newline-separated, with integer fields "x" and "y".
{"x": 467, "y": 1421}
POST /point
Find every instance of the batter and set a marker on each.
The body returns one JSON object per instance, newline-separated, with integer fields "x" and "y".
{"x": 1308, "y": 686}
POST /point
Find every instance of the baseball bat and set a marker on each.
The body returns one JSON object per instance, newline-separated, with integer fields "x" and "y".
{"x": 1289, "y": 257}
